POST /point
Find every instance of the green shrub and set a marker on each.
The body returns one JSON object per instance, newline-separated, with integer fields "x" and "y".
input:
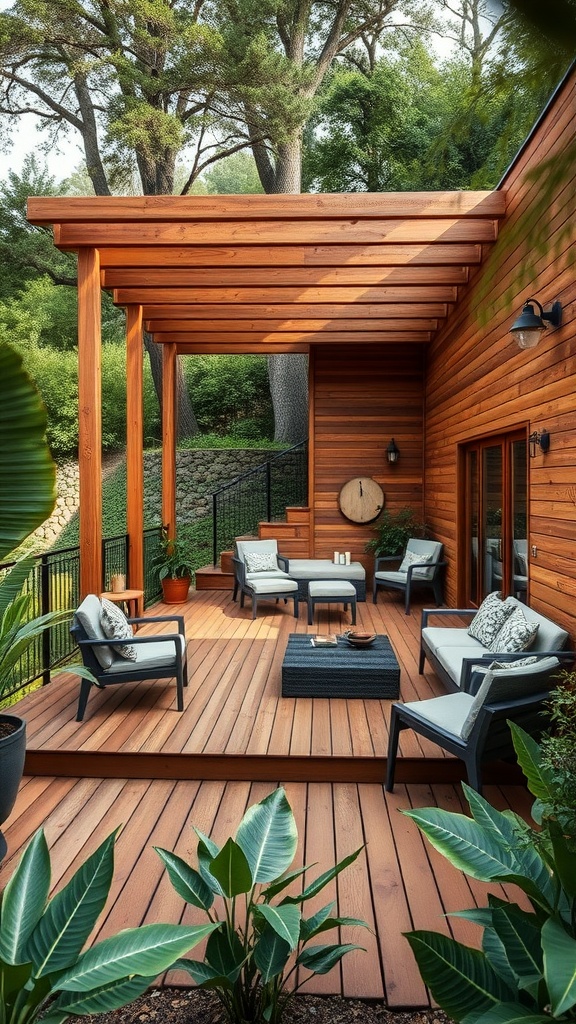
{"x": 393, "y": 531}
{"x": 228, "y": 389}
{"x": 526, "y": 969}
{"x": 259, "y": 944}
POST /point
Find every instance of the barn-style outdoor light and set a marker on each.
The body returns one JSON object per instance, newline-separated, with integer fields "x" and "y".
{"x": 538, "y": 439}
{"x": 528, "y": 327}
{"x": 392, "y": 452}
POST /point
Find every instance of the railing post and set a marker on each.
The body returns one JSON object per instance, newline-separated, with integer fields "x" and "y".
{"x": 214, "y": 531}
{"x": 268, "y": 492}
{"x": 44, "y": 609}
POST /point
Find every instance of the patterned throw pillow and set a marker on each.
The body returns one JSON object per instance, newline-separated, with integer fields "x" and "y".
{"x": 413, "y": 558}
{"x": 115, "y": 625}
{"x": 260, "y": 561}
{"x": 517, "y": 634}
{"x": 490, "y": 617}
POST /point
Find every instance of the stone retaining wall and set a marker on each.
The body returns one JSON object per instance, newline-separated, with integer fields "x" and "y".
{"x": 199, "y": 474}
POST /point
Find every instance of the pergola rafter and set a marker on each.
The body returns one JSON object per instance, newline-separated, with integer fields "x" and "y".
{"x": 263, "y": 274}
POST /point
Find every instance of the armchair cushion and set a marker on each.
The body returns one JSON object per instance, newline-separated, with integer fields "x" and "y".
{"x": 449, "y": 712}
{"x": 510, "y": 683}
{"x": 155, "y": 654}
{"x": 515, "y": 634}
{"x": 490, "y": 618}
{"x": 260, "y": 561}
{"x": 413, "y": 558}
{"x": 88, "y": 615}
{"x": 116, "y": 627}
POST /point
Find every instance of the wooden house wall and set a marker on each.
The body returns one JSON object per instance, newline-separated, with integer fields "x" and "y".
{"x": 362, "y": 396}
{"x": 478, "y": 382}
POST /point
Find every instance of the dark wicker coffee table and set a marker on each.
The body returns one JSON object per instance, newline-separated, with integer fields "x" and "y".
{"x": 341, "y": 671}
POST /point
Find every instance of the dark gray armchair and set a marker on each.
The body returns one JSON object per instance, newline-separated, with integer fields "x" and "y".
{"x": 474, "y": 727}
{"x": 158, "y": 656}
{"x": 420, "y": 569}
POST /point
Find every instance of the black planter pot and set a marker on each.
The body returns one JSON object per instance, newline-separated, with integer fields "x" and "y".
{"x": 12, "y": 754}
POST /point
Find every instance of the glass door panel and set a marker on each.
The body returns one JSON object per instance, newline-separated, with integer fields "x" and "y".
{"x": 492, "y": 505}
{"x": 519, "y": 490}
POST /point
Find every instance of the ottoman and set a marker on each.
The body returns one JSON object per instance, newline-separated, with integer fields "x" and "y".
{"x": 330, "y": 592}
{"x": 268, "y": 587}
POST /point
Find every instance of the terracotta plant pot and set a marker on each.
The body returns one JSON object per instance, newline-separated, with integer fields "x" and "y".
{"x": 175, "y": 589}
{"x": 12, "y": 754}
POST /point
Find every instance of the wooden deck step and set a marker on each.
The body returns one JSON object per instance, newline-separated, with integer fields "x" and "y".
{"x": 211, "y": 577}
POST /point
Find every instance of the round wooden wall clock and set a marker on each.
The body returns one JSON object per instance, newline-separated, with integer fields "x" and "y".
{"x": 361, "y": 500}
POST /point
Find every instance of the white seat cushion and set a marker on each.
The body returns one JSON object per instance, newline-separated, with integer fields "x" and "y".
{"x": 277, "y": 574}
{"x": 324, "y": 569}
{"x": 156, "y": 654}
{"x": 449, "y": 711}
{"x": 449, "y": 636}
{"x": 331, "y": 589}
{"x": 272, "y": 586}
{"x": 451, "y": 659}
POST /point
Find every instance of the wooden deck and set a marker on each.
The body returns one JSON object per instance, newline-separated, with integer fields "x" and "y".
{"x": 136, "y": 761}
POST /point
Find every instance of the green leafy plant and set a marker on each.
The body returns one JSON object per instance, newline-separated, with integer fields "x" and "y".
{"x": 259, "y": 944}
{"x": 526, "y": 969}
{"x": 393, "y": 531}
{"x": 41, "y": 943}
{"x": 175, "y": 559}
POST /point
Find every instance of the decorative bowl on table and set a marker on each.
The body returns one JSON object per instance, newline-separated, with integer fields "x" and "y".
{"x": 359, "y": 639}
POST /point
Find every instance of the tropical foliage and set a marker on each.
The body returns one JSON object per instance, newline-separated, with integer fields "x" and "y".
{"x": 393, "y": 531}
{"x": 41, "y": 943}
{"x": 259, "y": 945}
{"x": 526, "y": 969}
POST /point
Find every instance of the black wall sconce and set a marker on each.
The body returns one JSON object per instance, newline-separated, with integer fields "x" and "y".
{"x": 392, "y": 452}
{"x": 537, "y": 440}
{"x": 528, "y": 327}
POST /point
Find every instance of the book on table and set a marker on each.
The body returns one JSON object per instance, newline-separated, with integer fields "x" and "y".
{"x": 328, "y": 640}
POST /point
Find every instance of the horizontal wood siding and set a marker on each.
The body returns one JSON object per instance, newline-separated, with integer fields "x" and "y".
{"x": 363, "y": 397}
{"x": 479, "y": 382}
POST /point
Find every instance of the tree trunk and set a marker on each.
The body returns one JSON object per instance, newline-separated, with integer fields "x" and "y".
{"x": 187, "y": 425}
{"x": 288, "y": 376}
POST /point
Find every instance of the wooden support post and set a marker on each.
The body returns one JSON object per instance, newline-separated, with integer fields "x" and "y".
{"x": 169, "y": 438}
{"x": 90, "y": 421}
{"x": 312, "y": 451}
{"x": 134, "y": 447}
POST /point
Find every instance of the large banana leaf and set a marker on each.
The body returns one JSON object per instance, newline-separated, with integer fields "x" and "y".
{"x": 187, "y": 882}
{"x": 529, "y": 754}
{"x": 231, "y": 870}
{"x": 268, "y": 836}
{"x": 112, "y": 996}
{"x": 284, "y": 920}
{"x": 318, "y": 884}
{"x": 271, "y": 954}
{"x": 27, "y": 471}
{"x": 321, "y": 959}
{"x": 24, "y": 900}
{"x": 145, "y": 951}
{"x": 225, "y": 953}
{"x": 72, "y": 913}
{"x": 507, "y": 1013}
{"x": 460, "y": 979}
{"x": 485, "y": 855}
{"x": 520, "y": 935}
{"x": 559, "y": 966}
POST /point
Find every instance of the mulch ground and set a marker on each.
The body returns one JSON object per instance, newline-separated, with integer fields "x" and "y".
{"x": 191, "y": 1006}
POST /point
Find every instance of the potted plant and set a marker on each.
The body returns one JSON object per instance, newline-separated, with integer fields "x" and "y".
{"x": 27, "y": 496}
{"x": 393, "y": 531}
{"x": 175, "y": 568}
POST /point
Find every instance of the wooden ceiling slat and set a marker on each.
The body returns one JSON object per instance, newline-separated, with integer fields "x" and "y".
{"x": 265, "y": 232}
{"x": 232, "y": 296}
{"x": 253, "y": 277}
{"x": 364, "y": 311}
{"x": 286, "y": 326}
{"x": 240, "y": 338}
{"x": 282, "y": 273}
{"x": 390, "y": 255}
{"x": 254, "y": 207}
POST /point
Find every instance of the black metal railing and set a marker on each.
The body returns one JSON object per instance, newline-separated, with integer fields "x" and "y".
{"x": 54, "y": 585}
{"x": 260, "y": 495}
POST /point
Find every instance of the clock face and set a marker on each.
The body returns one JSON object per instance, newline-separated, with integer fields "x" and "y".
{"x": 361, "y": 500}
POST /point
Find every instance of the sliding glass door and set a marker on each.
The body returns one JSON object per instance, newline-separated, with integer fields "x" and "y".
{"x": 495, "y": 517}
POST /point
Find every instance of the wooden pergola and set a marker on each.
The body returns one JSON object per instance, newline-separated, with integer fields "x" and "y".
{"x": 259, "y": 274}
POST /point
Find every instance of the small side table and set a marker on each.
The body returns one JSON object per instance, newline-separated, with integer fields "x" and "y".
{"x": 134, "y": 599}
